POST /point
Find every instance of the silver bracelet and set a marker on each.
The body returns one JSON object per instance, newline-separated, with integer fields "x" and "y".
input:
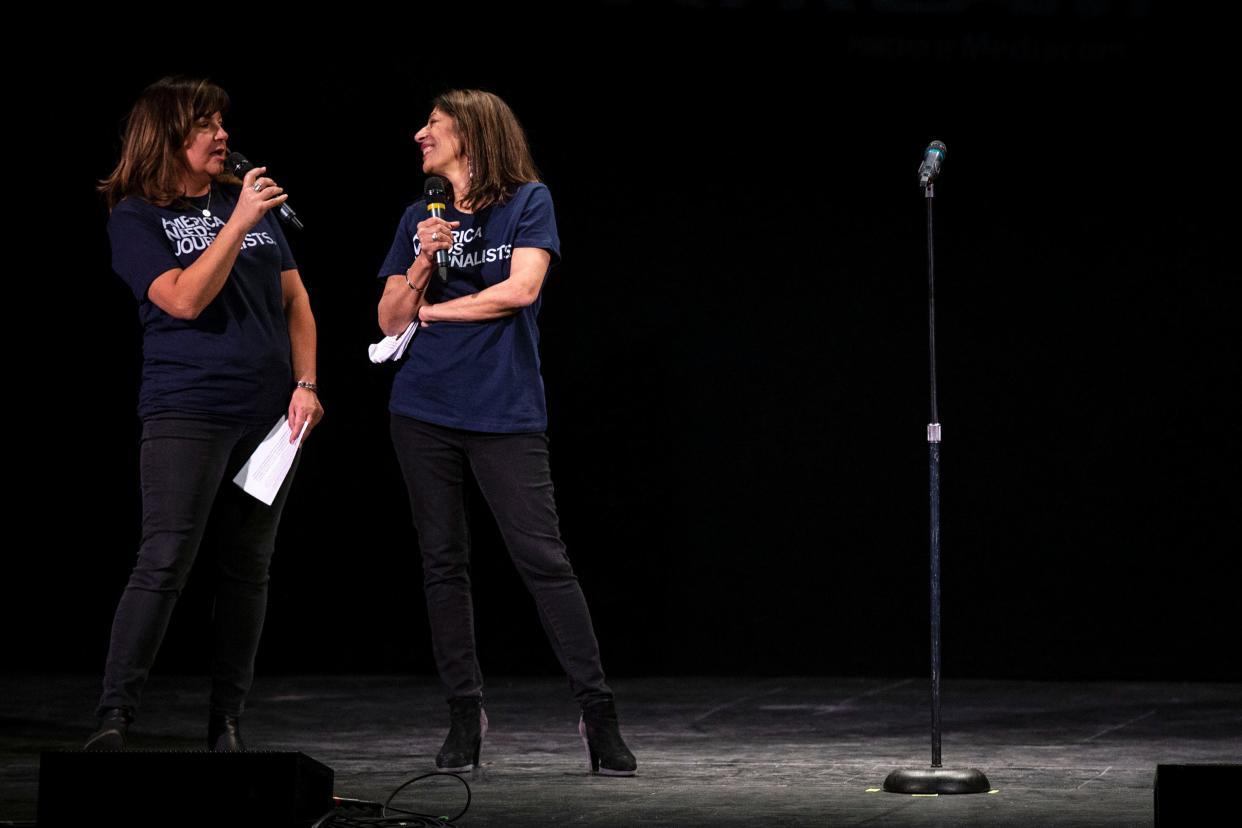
{"x": 410, "y": 284}
{"x": 309, "y": 386}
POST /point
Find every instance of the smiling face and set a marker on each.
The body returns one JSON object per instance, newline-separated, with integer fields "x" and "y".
{"x": 206, "y": 148}
{"x": 441, "y": 146}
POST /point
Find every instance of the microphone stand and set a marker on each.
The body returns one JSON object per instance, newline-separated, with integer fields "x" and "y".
{"x": 936, "y": 779}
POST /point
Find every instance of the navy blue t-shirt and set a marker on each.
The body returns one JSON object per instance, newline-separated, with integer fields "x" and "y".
{"x": 232, "y": 362}
{"x": 478, "y": 376}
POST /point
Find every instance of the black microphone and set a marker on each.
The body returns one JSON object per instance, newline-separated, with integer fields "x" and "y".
{"x": 932, "y": 159}
{"x": 239, "y": 165}
{"x": 435, "y": 192}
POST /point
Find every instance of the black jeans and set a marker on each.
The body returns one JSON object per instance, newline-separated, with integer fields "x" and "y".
{"x": 513, "y": 474}
{"x": 187, "y": 468}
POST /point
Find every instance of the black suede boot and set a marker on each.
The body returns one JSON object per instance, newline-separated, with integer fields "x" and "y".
{"x": 224, "y": 733}
{"x": 601, "y": 736}
{"x": 467, "y": 727}
{"x": 113, "y": 725}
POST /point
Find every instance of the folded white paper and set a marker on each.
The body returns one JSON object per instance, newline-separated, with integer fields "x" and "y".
{"x": 269, "y": 465}
{"x": 392, "y": 347}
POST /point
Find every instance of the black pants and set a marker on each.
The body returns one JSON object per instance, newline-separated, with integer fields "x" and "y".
{"x": 513, "y": 474}
{"x": 187, "y": 468}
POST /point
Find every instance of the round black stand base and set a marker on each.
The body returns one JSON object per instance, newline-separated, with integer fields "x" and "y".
{"x": 937, "y": 781}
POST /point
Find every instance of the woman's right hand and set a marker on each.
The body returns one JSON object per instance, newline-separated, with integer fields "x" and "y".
{"x": 258, "y": 195}
{"x": 435, "y": 234}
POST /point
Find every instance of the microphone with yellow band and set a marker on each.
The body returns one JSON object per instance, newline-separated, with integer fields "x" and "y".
{"x": 435, "y": 192}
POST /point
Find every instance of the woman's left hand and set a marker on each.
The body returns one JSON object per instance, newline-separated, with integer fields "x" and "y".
{"x": 304, "y": 408}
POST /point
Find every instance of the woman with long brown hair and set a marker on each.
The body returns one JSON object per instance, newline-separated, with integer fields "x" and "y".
{"x": 470, "y": 395}
{"x": 228, "y": 347}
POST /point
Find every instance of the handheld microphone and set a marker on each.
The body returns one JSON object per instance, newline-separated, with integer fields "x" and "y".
{"x": 932, "y": 159}
{"x": 239, "y": 165}
{"x": 435, "y": 192}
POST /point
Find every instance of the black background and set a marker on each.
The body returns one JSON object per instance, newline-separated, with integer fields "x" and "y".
{"x": 734, "y": 346}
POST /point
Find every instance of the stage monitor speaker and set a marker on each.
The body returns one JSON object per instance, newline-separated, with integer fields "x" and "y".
{"x": 189, "y": 788}
{"x": 1196, "y": 794}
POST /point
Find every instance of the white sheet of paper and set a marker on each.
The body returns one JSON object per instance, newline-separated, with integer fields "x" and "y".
{"x": 269, "y": 465}
{"x": 392, "y": 347}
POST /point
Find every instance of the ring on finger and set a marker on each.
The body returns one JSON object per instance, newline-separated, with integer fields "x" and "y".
{"x": 435, "y": 236}
{"x": 257, "y": 186}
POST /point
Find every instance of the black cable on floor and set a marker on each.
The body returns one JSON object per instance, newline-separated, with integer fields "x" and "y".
{"x": 346, "y": 814}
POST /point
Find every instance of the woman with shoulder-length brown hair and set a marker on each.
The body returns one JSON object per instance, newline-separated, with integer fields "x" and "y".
{"x": 228, "y": 347}
{"x": 470, "y": 396}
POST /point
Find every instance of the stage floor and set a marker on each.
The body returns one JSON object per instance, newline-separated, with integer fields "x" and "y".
{"x": 711, "y": 751}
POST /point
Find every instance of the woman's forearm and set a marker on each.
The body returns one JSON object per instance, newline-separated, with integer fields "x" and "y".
{"x": 184, "y": 293}
{"x": 403, "y": 295}
{"x": 526, "y": 274}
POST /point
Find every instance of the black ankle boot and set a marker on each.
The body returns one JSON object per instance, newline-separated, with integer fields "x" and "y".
{"x": 601, "y": 736}
{"x": 467, "y": 727}
{"x": 224, "y": 733}
{"x": 113, "y": 725}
